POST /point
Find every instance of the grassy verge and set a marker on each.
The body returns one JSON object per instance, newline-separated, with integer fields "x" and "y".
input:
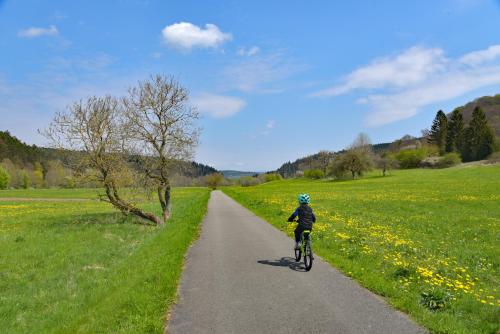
{"x": 79, "y": 267}
{"x": 51, "y": 193}
{"x": 428, "y": 240}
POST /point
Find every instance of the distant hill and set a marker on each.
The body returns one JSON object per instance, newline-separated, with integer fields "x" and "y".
{"x": 490, "y": 106}
{"x": 17, "y": 151}
{"x": 317, "y": 161}
{"x": 23, "y": 155}
{"x": 235, "y": 174}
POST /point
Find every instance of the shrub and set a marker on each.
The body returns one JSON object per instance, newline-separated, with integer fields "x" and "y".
{"x": 411, "y": 158}
{"x": 449, "y": 160}
{"x": 214, "y": 180}
{"x": 25, "y": 179}
{"x": 247, "y": 181}
{"x": 336, "y": 168}
{"x": 69, "y": 182}
{"x": 272, "y": 177}
{"x": 4, "y": 178}
{"x": 315, "y": 174}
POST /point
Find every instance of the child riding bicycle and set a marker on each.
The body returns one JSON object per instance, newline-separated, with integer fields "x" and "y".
{"x": 306, "y": 217}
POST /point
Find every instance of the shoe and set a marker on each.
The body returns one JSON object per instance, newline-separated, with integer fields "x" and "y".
{"x": 297, "y": 245}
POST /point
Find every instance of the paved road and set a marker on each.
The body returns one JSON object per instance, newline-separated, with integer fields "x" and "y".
{"x": 240, "y": 278}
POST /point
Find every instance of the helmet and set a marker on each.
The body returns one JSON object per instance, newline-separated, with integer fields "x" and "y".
{"x": 304, "y": 199}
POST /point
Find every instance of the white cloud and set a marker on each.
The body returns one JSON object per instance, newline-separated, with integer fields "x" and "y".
{"x": 405, "y": 104}
{"x": 481, "y": 56}
{"x": 218, "y": 106}
{"x": 270, "y": 124}
{"x": 37, "y": 32}
{"x": 185, "y": 35}
{"x": 410, "y": 67}
{"x": 248, "y": 52}
{"x": 404, "y": 84}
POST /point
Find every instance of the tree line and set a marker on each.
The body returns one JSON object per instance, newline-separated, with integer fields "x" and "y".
{"x": 30, "y": 166}
{"x": 473, "y": 142}
{"x": 448, "y": 142}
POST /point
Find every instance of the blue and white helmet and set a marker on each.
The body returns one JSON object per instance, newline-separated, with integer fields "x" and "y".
{"x": 304, "y": 199}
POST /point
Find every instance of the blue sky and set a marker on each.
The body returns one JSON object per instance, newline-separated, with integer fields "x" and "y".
{"x": 274, "y": 80}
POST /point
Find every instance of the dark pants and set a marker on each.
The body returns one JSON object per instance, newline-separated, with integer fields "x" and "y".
{"x": 298, "y": 231}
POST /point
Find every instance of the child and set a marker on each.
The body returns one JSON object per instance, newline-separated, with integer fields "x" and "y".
{"x": 306, "y": 217}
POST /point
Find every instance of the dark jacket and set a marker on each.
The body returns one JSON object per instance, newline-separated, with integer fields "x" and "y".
{"x": 305, "y": 214}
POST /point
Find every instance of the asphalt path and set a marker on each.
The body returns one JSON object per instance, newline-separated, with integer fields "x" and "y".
{"x": 240, "y": 277}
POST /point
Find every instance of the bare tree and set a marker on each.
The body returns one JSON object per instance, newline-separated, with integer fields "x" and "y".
{"x": 362, "y": 142}
{"x": 161, "y": 123}
{"x": 357, "y": 159}
{"x": 95, "y": 128}
{"x": 386, "y": 161}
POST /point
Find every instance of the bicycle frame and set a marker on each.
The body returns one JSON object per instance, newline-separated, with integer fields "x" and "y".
{"x": 306, "y": 243}
{"x": 305, "y": 237}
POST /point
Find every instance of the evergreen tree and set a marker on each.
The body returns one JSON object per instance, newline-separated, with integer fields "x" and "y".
{"x": 455, "y": 133}
{"x": 479, "y": 139}
{"x": 466, "y": 151}
{"x": 439, "y": 130}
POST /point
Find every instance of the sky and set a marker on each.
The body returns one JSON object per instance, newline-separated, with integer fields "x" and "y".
{"x": 273, "y": 80}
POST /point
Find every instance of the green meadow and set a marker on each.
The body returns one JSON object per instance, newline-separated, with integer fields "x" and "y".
{"x": 78, "y": 266}
{"x": 426, "y": 240}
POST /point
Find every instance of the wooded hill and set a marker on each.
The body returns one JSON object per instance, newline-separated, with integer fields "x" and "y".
{"x": 489, "y": 104}
{"x": 491, "y": 107}
{"x": 25, "y": 156}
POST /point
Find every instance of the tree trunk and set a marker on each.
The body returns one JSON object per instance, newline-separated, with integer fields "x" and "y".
{"x": 164, "y": 191}
{"x": 127, "y": 208}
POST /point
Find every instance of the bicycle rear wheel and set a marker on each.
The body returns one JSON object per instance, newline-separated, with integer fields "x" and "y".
{"x": 308, "y": 255}
{"x": 298, "y": 254}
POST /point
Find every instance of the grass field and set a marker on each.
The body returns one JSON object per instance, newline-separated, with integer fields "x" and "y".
{"x": 80, "y": 267}
{"x": 428, "y": 240}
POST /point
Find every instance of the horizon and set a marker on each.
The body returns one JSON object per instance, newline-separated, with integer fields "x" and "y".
{"x": 270, "y": 89}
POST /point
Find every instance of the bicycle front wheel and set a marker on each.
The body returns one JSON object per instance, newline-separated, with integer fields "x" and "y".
{"x": 308, "y": 256}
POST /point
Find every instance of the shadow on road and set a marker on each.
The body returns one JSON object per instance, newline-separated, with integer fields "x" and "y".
{"x": 285, "y": 262}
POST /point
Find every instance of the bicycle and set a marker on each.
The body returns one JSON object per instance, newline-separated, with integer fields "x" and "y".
{"x": 305, "y": 249}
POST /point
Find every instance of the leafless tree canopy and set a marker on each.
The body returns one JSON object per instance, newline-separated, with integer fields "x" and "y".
{"x": 362, "y": 141}
{"x": 94, "y": 128}
{"x": 161, "y": 126}
{"x": 90, "y": 126}
{"x": 158, "y": 114}
{"x": 154, "y": 124}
